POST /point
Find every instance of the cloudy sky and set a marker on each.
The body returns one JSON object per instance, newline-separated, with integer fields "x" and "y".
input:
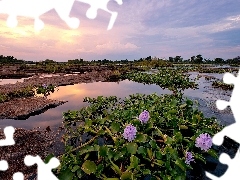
{"x": 160, "y": 28}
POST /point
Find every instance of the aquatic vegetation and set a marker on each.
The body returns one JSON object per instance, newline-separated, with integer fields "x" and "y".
{"x": 144, "y": 116}
{"x": 189, "y": 158}
{"x": 174, "y": 80}
{"x": 222, "y": 85}
{"x": 217, "y": 70}
{"x": 28, "y": 91}
{"x": 45, "y": 89}
{"x": 97, "y": 138}
{"x": 204, "y": 141}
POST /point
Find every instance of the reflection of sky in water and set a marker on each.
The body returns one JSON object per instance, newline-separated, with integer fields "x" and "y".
{"x": 10, "y": 81}
{"x": 74, "y": 94}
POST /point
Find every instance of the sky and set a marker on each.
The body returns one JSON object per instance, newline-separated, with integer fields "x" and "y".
{"x": 143, "y": 28}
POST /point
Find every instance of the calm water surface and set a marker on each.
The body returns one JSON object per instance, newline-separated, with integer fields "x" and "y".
{"x": 75, "y": 94}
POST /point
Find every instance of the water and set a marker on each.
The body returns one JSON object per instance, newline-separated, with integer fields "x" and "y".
{"x": 75, "y": 94}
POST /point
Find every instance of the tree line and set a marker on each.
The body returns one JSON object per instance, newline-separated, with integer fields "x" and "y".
{"x": 198, "y": 59}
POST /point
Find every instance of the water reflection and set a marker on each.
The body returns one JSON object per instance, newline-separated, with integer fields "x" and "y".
{"x": 75, "y": 94}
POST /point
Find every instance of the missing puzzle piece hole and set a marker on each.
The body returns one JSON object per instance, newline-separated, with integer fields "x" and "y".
{"x": 229, "y": 78}
{"x": 224, "y": 158}
{"x": 73, "y": 23}
{"x": 12, "y": 21}
{"x": 8, "y": 141}
{"x": 3, "y": 165}
{"x": 18, "y": 176}
{"x": 38, "y": 25}
{"x": 91, "y": 13}
{"x": 221, "y": 104}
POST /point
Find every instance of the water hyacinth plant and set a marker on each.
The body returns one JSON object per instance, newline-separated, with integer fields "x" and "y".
{"x": 130, "y": 133}
{"x": 144, "y": 116}
{"x": 189, "y": 158}
{"x": 110, "y": 142}
{"x": 204, "y": 141}
{"x": 45, "y": 89}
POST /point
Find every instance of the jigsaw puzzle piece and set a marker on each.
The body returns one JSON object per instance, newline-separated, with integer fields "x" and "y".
{"x": 101, "y": 4}
{"x": 63, "y": 8}
{"x": 28, "y": 8}
{"x": 8, "y": 141}
{"x": 229, "y": 78}
{"x": 44, "y": 170}
{"x": 3, "y": 165}
{"x": 233, "y": 172}
{"x": 18, "y": 176}
{"x": 229, "y": 147}
{"x": 229, "y": 131}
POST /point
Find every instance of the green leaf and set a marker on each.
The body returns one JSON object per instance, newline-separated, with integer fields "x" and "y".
{"x": 206, "y": 130}
{"x": 141, "y": 138}
{"x": 158, "y": 155}
{"x": 146, "y": 172}
{"x": 86, "y": 149}
{"x": 48, "y": 158}
{"x": 178, "y": 136}
{"x": 183, "y": 106}
{"x": 153, "y": 144}
{"x": 66, "y": 175}
{"x": 160, "y": 162}
{"x": 115, "y": 127}
{"x": 183, "y": 127}
{"x": 142, "y": 150}
{"x": 132, "y": 148}
{"x": 88, "y": 123}
{"x": 103, "y": 151}
{"x": 180, "y": 163}
{"x": 126, "y": 176}
{"x": 169, "y": 140}
{"x": 89, "y": 167}
{"x": 150, "y": 153}
{"x": 200, "y": 157}
{"x": 75, "y": 168}
{"x": 213, "y": 153}
{"x": 80, "y": 173}
{"x": 134, "y": 161}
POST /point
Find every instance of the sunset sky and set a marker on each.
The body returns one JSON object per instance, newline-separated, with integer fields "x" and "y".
{"x": 159, "y": 28}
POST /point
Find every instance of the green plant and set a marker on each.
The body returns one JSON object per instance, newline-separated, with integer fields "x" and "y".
{"x": 158, "y": 149}
{"x": 222, "y": 85}
{"x": 174, "y": 80}
{"x": 45, "y": 89}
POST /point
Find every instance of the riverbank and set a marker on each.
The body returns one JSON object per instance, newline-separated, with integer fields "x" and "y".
{"x": 24, "y": 106}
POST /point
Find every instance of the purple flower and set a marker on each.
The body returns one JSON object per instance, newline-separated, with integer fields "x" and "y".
{"x": 144, "y": 116}
{"x": 130, "y": 132}
{"x": 204, "y": 141}
{"x": 189, "y": 158}
{"x": 44, "y": 86}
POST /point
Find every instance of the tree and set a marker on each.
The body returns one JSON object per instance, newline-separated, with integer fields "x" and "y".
{"x": 236, "y": 60}
{"x": 178, "y": 59}
{"x": 170, "y": 59}
{"x": 199, "y": 59}
{"x": 149, "y": 58}
{"x": 219, "y": 60}
{"x": 193, "y": 59}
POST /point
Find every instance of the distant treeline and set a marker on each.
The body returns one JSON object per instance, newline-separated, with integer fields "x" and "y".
{"x": 198, "y": 59}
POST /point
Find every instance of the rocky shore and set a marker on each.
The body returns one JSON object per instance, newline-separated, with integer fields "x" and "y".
{"x": 60, "y": 80}
{"x": 23, "y": 107}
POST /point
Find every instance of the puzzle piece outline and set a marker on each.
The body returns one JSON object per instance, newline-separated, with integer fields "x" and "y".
{"x": 230, "y": 131}
{"x": 8, "y": 141}
{"x": 15, "y": 8}
{"x": 44, "y": 171}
